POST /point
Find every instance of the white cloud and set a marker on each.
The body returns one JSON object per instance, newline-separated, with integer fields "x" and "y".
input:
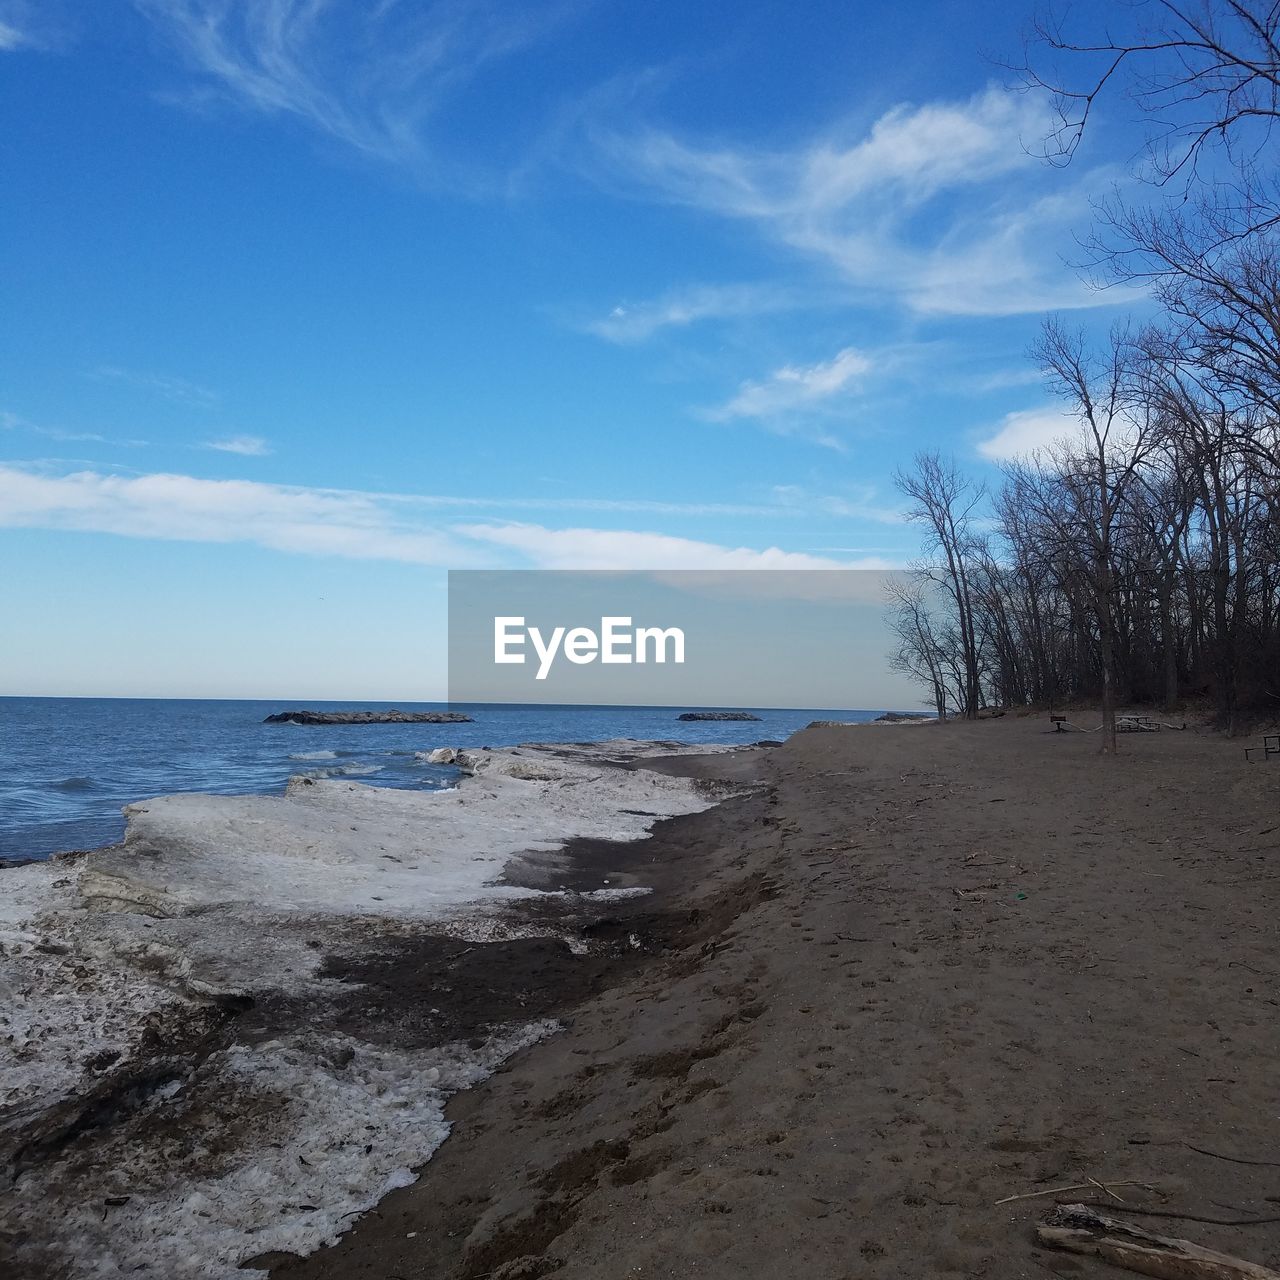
{"x": 368, "y": 525}
{"x": 1027, "y": 430}
{"x": 368, "y": 75}
{"x": 796, "y": 388}
{"x": 248, "y": 446}
{"x": 935, "y": 204}
{"x": 626, "y": 549}
{"x": 184, "y": 508}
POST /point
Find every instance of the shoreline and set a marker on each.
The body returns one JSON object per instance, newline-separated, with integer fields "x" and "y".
{"x": 223, "y": 1037}
{"x": 922, "y": 973}
{"x": 69, "y": 768}
{"x": 887, "y": 981}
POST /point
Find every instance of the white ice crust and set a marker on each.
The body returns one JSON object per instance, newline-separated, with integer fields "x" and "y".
{"x": 112, "y": 961}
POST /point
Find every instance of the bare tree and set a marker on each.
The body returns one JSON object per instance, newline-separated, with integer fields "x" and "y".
{"x": 1096, "y": 475}
{"x": 944, "y": 502}
{"x": 1144, "y": 558}
{"x": 1139, "y": 561}
{"x": 1162, "y": 505}
{"x": 921, "y": 654}
{"x": 1204, "y": 73}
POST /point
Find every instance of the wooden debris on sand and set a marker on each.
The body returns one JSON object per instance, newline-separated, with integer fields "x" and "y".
{"x": 1079, "y": 1229}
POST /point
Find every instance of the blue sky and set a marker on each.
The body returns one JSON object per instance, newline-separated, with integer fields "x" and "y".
{"x": 308, "y": 301}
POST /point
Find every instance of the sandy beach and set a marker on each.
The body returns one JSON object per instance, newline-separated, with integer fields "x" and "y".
{"x": 883, "y": 978}
{"x": 923, "y": 970}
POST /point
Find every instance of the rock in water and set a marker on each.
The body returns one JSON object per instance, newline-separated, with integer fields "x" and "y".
{"x": 368, "y": 717}
{"x": 717, "y": 715}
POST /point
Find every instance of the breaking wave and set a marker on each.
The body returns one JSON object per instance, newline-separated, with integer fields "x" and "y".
{"x": 344, "y": 771}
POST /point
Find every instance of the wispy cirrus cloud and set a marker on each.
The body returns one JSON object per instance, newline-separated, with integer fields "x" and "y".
{"x": 796, "y": 388}
{"x": 14, "y": 422}
{"x": 367, "y": 75}
{"x": 1002, "y": 379}
{"x": 22, "y": 26}
{"x": 177, "y": 390}
{"x": 362, "y": 525}
{"x": 857, "y": 502}
{"x": 246, "y": 446}
{"x": 630, "y": 322}
{"x": 938, "y": 204}
{"x": 630, "y": 549}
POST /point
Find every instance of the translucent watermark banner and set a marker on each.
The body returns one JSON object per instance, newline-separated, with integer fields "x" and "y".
{"x": 686, "y": 638}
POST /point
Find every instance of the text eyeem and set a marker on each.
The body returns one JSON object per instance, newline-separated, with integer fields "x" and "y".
{"x": 616, "y": 642}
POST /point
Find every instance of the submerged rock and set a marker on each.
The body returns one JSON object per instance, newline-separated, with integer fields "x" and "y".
{"x": 717, "y": 715}
{"x": 368, "y": 717}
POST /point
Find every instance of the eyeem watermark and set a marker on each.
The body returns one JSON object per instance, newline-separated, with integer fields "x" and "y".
{"x": 734, "y": 638}
{"x": 617, "y": 642}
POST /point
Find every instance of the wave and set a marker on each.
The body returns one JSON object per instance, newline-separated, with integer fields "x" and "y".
{"x": 74, "y": 784}
{"x": 343, "y": 771}
{"x": 315, "y": 755}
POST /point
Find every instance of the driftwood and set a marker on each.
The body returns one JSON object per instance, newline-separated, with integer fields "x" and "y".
{"x": 1077, "y": 1228}
{"x": 1182, "y": 1217}
{"x": 1075, "y": 1186}
{"x": 1218, "y": 1155}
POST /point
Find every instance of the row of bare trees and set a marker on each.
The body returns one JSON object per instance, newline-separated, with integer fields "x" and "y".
{"x": 1136, "y": 562}
{"x": 1139, "y": 559}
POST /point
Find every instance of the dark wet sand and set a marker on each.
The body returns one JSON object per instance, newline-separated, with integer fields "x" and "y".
{"x": 922, "y": 969}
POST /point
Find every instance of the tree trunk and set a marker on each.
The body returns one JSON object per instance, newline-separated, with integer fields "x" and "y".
{"x": 1170, "y": 640}
{"x": 1108, "y": 683}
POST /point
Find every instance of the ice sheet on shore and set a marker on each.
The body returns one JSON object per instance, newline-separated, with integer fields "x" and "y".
{"x": 283, "y": 1145}
{"x": 116, "y": 969}
{"x": 341, "y": 847}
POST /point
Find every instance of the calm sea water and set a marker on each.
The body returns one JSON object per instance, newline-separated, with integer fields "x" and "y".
{"x": 67, "y": 765}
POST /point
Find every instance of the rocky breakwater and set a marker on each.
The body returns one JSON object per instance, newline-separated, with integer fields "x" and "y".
{"x": 717, "y": 715}
{"x": 185, "y": 1083}
{"x": 367, "y": 717}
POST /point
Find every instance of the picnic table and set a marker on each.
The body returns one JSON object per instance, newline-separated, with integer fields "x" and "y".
{"x": 1136, "y": 724}
{"x": 1270, "y": 747}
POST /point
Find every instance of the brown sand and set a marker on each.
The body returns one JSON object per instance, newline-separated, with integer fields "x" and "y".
{"x": 924, "y": 969}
